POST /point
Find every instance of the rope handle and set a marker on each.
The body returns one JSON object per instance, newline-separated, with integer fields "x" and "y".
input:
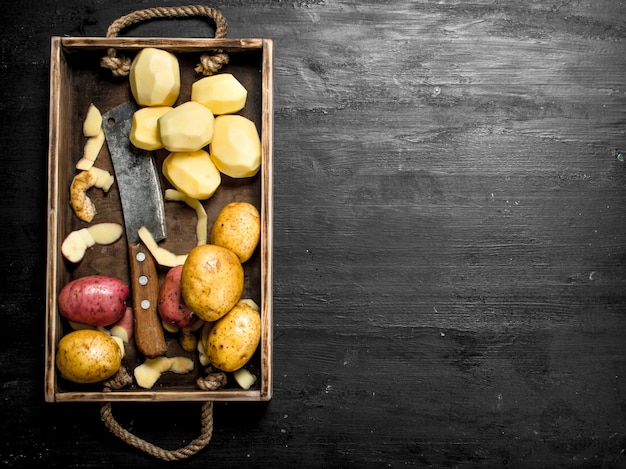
{"x": 194, "y": 447}
{"x": 209, "y": 63}
{"x": 213, "y": 381}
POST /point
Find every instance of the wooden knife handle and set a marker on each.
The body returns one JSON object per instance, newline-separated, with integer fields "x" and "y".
{"x": 149, "y": 336}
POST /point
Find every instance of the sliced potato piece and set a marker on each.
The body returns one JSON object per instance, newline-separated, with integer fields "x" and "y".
{"x": 169, "y": 327}
{"x": 161, "y": 255}
{"x": 77, "y": 242}
{"x": 93, "y": 121}
{"x": 75, "y": 245}
{"x": 91, "y": 150}
{"x": 77, "y": 326}
{"x": 105, "y": 233}
{"x": 161, "y": 364}
{"x": 244, "y": 378}
{"x": 119, "y": 342}
{"x": 180, "y": 365}
{"x": 250, "y": 302}
{"x": 146, "y": 376}
{"x": 104, "y": 180}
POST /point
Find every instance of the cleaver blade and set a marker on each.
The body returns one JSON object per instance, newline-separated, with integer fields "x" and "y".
{"x": 142, "y": 205}
{"x": 136, "y": 175}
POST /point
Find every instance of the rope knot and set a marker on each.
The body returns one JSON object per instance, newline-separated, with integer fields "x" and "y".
{"x": 119, "y": 66}
{"x": 210, "y": 64}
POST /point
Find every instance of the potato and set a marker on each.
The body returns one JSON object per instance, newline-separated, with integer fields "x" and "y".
{"x": 211, "y": 281}
{"x": 171, "y": 306}
{"x": 155, "y": 77}
{"x": 192, "y": 173}
{"x": 95, "y": 300}
{"x": 221, "y": 93}
{"x": 92, "y": 125}
{"x": 88, "y": 356}
{"x": 144, "y": 129}
{"x": 238, "y": 228}
{"x": 188, "y": 127}
{"x": 236, "y": 146}
{"x": 234, "y": 338}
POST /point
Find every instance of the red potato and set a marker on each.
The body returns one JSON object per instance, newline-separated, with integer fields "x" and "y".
{"x": 95, "y": 300}
{"x": 171, "y": 305}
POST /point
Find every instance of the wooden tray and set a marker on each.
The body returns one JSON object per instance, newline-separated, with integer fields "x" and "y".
{"x": 76, "y": 80}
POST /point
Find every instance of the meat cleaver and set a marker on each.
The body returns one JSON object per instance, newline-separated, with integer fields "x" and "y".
{"x": 142, "y": 205}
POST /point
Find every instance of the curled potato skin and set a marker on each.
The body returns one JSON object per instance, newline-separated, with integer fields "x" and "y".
{"x": 82, "y": 205}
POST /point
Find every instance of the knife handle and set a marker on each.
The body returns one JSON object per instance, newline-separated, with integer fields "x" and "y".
{"x": 149, "y": 335}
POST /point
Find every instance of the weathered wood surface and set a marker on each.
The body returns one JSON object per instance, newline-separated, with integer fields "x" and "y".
{"x": 449, "y": 247}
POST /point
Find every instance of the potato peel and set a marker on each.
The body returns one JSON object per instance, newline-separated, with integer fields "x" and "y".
{"x": 201, "y": 226}
{"x": 161, "y": 255}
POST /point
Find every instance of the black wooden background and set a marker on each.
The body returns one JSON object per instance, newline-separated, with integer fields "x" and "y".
{"x": 450, "y": 239}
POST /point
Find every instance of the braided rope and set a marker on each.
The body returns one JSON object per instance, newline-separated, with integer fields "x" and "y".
{"x": 213, "y": 381}
{"x": 209, "y": 63}
{"x": 206, "y": 431}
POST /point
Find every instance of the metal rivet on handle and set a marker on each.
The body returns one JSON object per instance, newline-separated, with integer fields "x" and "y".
{"x": 143, "y": 280}
{"x": 140, "y": 256}
{"x": 145, "y": 304}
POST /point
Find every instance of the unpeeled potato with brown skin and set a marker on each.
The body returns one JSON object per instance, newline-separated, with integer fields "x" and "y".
{"x": 88, "y": 356}
{"x": 234, "y": 338}
{"x": 211, "y": 281}
{"x": 238, "y": 228}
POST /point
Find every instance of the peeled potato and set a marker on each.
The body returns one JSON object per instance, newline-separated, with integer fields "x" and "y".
{"x": 188, "y": 127}
{"x": 238, "y": 228}
{"x": 211, "y": 281}
{"x": 192, "y": 173}
{"x": 221, "y": 93}
{"x": 234, "y": 338}
{"x": 144, "y": 130}
{"x": 88, "y": 356}
{"x": 155, "y": 77}
{"x": 236, "y": 146}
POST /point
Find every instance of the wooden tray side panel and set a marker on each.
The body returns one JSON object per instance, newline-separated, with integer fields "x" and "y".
{"x": 52, "y": 217}
{"x": 267, "y": 217}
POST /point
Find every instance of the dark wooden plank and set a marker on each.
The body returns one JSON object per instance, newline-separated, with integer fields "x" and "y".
{"x": 449, "y": 240}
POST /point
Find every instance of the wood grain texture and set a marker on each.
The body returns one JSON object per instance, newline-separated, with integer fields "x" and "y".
{"x": 449, "y": 249}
